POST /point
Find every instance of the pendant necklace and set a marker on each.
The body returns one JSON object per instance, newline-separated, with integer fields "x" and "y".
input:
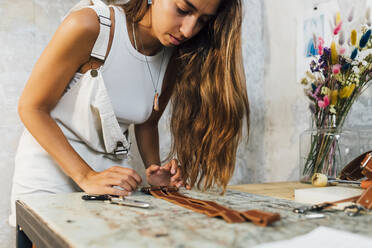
{"x": 156, "y": 94}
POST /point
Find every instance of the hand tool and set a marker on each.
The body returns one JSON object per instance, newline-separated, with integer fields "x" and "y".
{"x": 119, "y": 200}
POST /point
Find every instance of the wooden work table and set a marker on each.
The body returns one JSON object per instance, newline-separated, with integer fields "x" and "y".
{"x": 282, "y": 190}
{"x": 65, "y": 220}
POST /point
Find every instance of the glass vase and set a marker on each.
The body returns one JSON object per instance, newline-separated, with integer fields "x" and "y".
{"x": 327, "y": 151}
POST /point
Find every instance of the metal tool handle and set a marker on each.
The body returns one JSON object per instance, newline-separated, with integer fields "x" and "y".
{"x": 313, "y": 208}
{"x": 96, "y": 197}
{"x": 129, "y": 202}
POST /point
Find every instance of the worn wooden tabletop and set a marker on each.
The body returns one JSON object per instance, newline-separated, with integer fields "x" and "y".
{"x": 282, "y": 190}
{"x": 81, "y": 224}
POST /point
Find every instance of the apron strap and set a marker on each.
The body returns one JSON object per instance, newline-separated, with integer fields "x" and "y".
{"x": 102, "y": 42}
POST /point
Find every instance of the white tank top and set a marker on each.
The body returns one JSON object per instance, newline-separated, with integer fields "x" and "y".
{"x": 127, "y": 77}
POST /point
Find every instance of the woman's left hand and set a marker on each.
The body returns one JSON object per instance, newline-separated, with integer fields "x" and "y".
{"x": 166, "y": 175}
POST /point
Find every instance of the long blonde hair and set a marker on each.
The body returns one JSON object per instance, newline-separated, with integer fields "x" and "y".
{"x": 209, "y": 100}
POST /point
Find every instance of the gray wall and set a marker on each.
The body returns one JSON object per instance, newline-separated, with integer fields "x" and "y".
{"x": 25, "y": 28}
{"x": 279, "y": 109}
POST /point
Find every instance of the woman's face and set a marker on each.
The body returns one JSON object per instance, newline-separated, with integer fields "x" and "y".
{"x": 175, "y": 21}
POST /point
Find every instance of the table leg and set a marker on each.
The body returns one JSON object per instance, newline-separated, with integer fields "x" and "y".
{"x": 22, "y": 241}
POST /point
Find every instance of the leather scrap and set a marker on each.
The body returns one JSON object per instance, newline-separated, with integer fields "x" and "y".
{"x": 358, "y": 168}
{"x": 366, "y": 198}
{"x": 212, "y": 209}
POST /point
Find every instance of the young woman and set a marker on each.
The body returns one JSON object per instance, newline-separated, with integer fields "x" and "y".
{"x": 153, "y": 51}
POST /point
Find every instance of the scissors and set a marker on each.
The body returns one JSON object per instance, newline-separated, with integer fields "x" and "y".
{"x": 119, "y": 200}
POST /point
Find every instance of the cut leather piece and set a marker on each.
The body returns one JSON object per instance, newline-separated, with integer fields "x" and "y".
{"x": 212, "y": 209}
{"x": 200, "y": 207}
{"x": 259, "y": 217}
{"x": 367, "y": 166}
{"x": 353, "y": 170}
{"x": 147, "y": 190}
{"x": 366, "y": 198}
{"x": 184, "y": 202}
{"x": 358, "y": 168}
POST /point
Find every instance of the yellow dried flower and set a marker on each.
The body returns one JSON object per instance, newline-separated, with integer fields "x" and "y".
{"x": 338, "y": 18}
{"x": 310, "y": 75}
{"x": 343, "y": 92}
{"x": 347, "y": 91}
{"x": 332, "y": 109}
{"x": 334, "y": 95}
{"x": 352, "y": 88}
{"x": 334, "y": 55}
{"x": 304, "y": 81}
{"x": 353, "y": 37}
{"x": 325, "y": 91}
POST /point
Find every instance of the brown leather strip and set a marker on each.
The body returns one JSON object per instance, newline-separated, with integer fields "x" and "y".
{"x": 209, "y": 208}
{"x": 256, "y": 216}
{"x": 211, "y": 204}
{"x": 261, "y": 218}
{"x": 184, "y": 203}
{"x": 366, "y": 198}
{"x": 358, "y": 168}
{"x": 197, "y": 206}
{"x": 213, "y": 209}
{"x": 367, "y": 171}
{"x": 332, "y": 204}
{"x": 147, "y": 190}
{"x": 353, "y": 170}
{"x": 351, "y": 199}
{"x": 229, "y": 215}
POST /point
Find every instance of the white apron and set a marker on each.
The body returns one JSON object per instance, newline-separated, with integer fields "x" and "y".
{"x": 86, "y": 117}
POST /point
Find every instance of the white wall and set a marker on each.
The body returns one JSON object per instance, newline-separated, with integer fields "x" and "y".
{"x": 25, "y": 28}
{"x": 285, "y": 105}
{"x": 279, "y": 108}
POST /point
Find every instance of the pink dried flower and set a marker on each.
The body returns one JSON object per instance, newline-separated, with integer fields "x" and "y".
{"x": 342, "y": 50}
{"x": 336, "y": 69}
{"x": 324, "y": 103}
{"x": 320, "y": 45}
{"x": 337, "y": 28}
{"x": 321, "y": 40}
{"x": 316, "y": 92}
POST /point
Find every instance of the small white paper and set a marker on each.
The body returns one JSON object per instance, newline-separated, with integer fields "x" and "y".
{"x": 323, "y": 237}
{"x": 326, "y": 194}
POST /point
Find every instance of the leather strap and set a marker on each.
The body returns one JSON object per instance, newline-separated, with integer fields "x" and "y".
{"x": 366, "y": 198}
{"x": 358, "y": 168}
{"x": 367, "y": 166}
{"x": 326, "y": 205}
{"x": 212, "y": 209}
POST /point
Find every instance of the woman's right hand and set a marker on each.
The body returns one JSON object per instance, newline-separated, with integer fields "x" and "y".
{"x": 103, "y": 182}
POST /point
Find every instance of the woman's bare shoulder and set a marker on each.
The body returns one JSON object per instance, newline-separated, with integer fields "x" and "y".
{"x": 72, "y": 43}
{"x": 69, "y": 48}
{"x": 83, "y": 25}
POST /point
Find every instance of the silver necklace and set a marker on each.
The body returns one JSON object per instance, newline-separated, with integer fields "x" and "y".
{"x": 156, "y": 94}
